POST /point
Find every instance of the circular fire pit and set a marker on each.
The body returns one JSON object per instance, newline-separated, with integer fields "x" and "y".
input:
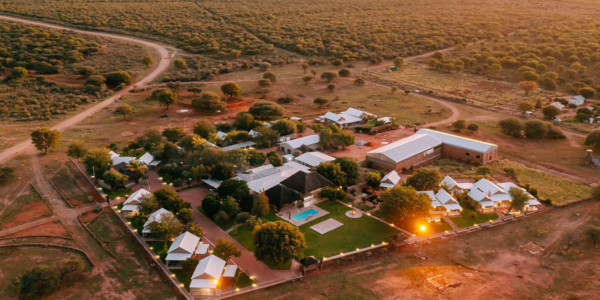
{"x": 354, "y": 214}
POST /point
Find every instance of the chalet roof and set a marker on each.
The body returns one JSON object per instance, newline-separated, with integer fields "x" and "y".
{"x": 313, "y": 159}
{"x": 305, "y": 183}
{"x": 307, "y": 140}
{"x": 460, "y": 142}
{"x": 211, "y": 266}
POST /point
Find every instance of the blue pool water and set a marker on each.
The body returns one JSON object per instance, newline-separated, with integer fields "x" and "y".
{"x": 305, "y": 215}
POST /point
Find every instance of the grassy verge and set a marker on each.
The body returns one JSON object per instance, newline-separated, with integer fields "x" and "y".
{"x": 470, "y": 217}
{"x": 355, "y": 233}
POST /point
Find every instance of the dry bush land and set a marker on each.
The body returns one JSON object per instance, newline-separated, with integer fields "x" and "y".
{"x": 15, "y": 261}
{"x": 71, "y": 183}
{"x": 25, "y": 207}
{"x": 53, "y": 88}
{"x": 498, "y": 268}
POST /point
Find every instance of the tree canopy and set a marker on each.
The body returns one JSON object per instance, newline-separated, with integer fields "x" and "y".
{"x": 278, "y": 242}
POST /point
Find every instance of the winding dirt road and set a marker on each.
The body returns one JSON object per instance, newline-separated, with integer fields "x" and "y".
{"x": 162, "y": 66}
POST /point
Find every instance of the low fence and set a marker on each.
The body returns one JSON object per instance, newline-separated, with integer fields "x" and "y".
{"x": 62, "y": 196}
{"x": 52, "y": 246}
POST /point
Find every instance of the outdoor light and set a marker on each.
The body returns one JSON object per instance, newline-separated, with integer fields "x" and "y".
{"x": 372, "y": 246}
{"x": 215, "y": 281}
{"x": 164, "y": 183}
{"x": 237, "y": 289}
{"x": 357, "y": 249}
{"x": 128, "y": 222}
{"x": 151, "y": 248}
{"x": 252, "y": 277}
{"x": 423, "y": 228}
{"x": 173, "y": 275}
{"x": 160, "y": 178}
{"x": 157, "y": 257}
{"x": 181, "y": 285}
{"x": 354, "y": 212}
{"x": 135, "y": 230}
{"x": 391, "y": 224}
{"x": 341, "y": 253}
{"x": 254, "y": 285}
{"x": 119, "y": 211}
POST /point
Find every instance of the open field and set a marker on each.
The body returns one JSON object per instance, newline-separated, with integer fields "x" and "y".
{"x": 483, "y": 265}
{"x": 15, "y": 261}
{"x": 131, "y": 272}
{"x": 27, "y": 207}
{"x": 71, "y": 184}
{"x": 471, "y": 217}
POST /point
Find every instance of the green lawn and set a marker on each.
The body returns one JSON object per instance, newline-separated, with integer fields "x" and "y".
{"x": 355, "y": 233}
{"x": 467, "y": 219}
{"x": 438, "y": 227}
{"x": 243, "y": 234}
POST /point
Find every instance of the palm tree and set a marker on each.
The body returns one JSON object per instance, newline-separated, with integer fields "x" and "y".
{"x": 137, "y": 170}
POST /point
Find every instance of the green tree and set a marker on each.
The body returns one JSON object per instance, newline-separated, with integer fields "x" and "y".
{"x": 187, "y": 270}
{"x": 238, "y": 189}
{"x": 45, "y": 138}
{"x": 148, "y": 205}
{"x": 551, "y": 112}
{"x": 333, "y": 172}
{"x": 95, "y": 80}
{"x": 593, "y": 140}
{"x": 226, "y": 249}
{"x": 185, "y": 215}
{"x": 266, "y": 110}
{"x": 204, "y": 128}
{"x": 519, "y": 199}
{"x": 6, "y": 173}
{"x": 230, "y": 206}
{"x": 425, "y": 179}
{"x": 331, "y": 87}
{"x": 255, "y": 158}
{"x": 124, "y": 110}
{"x": 535, "y": 129}
{"x": 37, "y": 282}
{"x": 511, "y": 127}
{"x": 117, "y": 78}
{"x": 307, "y": 79}
{"x": 147, "y": 62}
{"x": 320, "y": 101}
{"x": 168, "y": 228}
{"x": 231, "y": 90}
{"x": 165, "y": 97}
{"x": 98, "y": 160}
{"x": 333, "y": 194}
{"x": 180, "y": 64}
{"x": 77, "y": 149}
{"x": 528, "y": 86}
{"x": 270, "y": 76}
{"x": 170, "y": 200}
{"x": 244, "y": 121}
{"x": 263, "y": 83}
{"x": 275, "y": 159}
{"x": 209, "y": 102}
{"x": 473, "y": 127}
{"x": 328, "y": 76}
{"x": 587, "y": 92}
{"x": 344, "y": 73}
{"x": 284, "y": 127}
{"x": 342, "y": 139}
{"x": 351, "y": 168}
{"x": 261, "y": 206}
{"x": 278, "y": 242}
{"x": 115, "y": 179}
{"x": 399, "y": 62}
{"x": 526, "y": 106}
{"x": 211, "y": 205}
{"x": 266, "y": 137}
{"x": 459, "y": 125}
{"x": 19, "y": 73}
{"x": 402, "y": 204}
{"x": 173, "y": 134}
{"x": 373, "y": 180}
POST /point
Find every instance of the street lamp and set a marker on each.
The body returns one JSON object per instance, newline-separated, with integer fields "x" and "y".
{"x": 422, "y": 230}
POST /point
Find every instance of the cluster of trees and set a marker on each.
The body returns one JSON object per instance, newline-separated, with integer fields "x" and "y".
{"x": 342, "y": 171}
{"x": 44, "y": 280}
{"x": 333, "y": 137}
{"x": 532, "y": 129}
{"x": 562, "y": 56}
{"x": 593, "y": 141}
{"x": 6, "y": 173}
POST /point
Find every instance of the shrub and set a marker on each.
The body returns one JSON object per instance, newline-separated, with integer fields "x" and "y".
{"x": 535, "y": 130}
{"x": 117, "y": 78}
{"x": 266, "y": 110}
{"x": 554, "y": 132}
{"x": 511, "y": 127}
{"x": 473, "y": 127}
{"x": 550, "y": 112}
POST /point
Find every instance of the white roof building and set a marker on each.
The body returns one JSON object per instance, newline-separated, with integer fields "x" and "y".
{"x": 253, "y": 133}
{"x": 208, "y": 273}
{"x": 117, "y": 160}
{"x": 442, "y": 199}
{"x": 577, "y": 100}
{"x": 405, "y": 148}
{"x": 230, "y": 271}
{"x": 133, "y": 201}
{"x": 313, "y": 159}
{"x": 183, "y": 247}
{"x": 113, "y": 154}
{"x": 390, "y": 180}
{"x": 309, "y": 140}
{"x": 459, "y": 141}
{"x": 558, "y": 105}
{"x": 357, "y": 113}
{"x": 341, "y": 119}
{"x": 265, "y": 177}
{"x": 221, "y": 135}
{"x": 156, "y": 216}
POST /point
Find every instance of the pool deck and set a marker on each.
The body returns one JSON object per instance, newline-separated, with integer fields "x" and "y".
{"x": 288, "y": 213}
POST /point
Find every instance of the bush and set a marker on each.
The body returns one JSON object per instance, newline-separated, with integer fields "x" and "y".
{"x": 535, "y": 130}
{"x": 550, "y": 112}
{"x": 554, "y": 132}
{"x": 6, "y": 173}
{"x": 511, "y": 127}
{"x": 209, "y": 102}
{"x": 242, "y": 217}
{"x": 473, "y": 127}
{"x": 266, "y": 110}
{"x": 117, "y": 78}
{"x": 344, "y": 73}
{"x": 285, "y": 100}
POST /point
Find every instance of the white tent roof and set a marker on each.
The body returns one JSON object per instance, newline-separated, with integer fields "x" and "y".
{"x": 487, "y": 187}
{"x": 178, "y": 256}
{"x": 156, "y": 216}
{"x": 449, "y": 182}
{"x": 130, "y": 208}
{"x": 406, "y": 147}
{"x": 135, "y": 197}
{"x": 314, "y": 159}
{"x": 125, "y": 159}
{"x": 477, "y": 195}
{"x": 390, "y": 180}
{"x": 202, "y": 249}
{"x": 185, "y": 242}
{"x": 444, "y": 197}
{"x": 460, "y": 142}
{"x": 355, "y": 112}
{"x": 307, "y": 140}
{"x": 146, "y": 159}
{"x": 230, "y": 271}
{"x": 211, "y": 266}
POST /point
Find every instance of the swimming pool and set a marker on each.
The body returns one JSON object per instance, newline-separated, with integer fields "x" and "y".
{"x": 305, "y": 215}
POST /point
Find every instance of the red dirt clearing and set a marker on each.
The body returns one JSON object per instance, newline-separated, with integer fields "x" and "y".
{"x": 29, "y": 212}
{"x": 53, "y": 229}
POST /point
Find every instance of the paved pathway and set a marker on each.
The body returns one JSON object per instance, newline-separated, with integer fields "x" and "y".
{"x": 261, "y": 272}
{"x": 162, "y": 65}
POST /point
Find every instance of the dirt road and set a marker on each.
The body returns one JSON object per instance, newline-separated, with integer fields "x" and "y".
{"x": 162, "y": 65}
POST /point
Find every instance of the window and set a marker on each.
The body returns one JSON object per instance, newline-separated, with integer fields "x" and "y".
{"x": 478, "y": 156}
{"x": 468, "y": 154}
